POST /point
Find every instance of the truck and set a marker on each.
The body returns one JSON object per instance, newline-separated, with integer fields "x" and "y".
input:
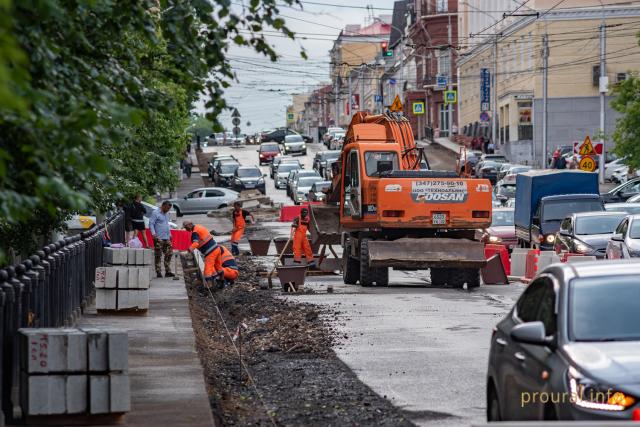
{"x": 544, "y": 198}
{"x": 389, "y": 210}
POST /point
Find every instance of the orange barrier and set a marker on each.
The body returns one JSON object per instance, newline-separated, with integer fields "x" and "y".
{"x": 532, "y": 264}
{"x": 288, "y": 213}
{"x": 180, "y": 239}
{"x": 490, "y": 250}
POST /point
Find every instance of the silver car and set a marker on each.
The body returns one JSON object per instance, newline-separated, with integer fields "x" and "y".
{"x": 282, "y": 173}
{"x": 293, "y": 178}
{"x": 303, "y": 187}
{"x": 625, "y": 242}
{"x": 202, "y": 200}
{"x": 294, "y": 144}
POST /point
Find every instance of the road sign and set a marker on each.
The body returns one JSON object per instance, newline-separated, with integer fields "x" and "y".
{"x": 377, "y": 98}
{"x": 396, "y": 107}
{"x": 450, "y": 96}
{"x": 597, "y": 147}
{"x": 485, "y": 89}
{"x": 418, "y": 108}
{"x": 290, "y": 116}
{"x": 236, "y": 113}
{"x": 235, "y": 121}
{"x": 392, "y": 81}
{"x": 441, "y": 81}
{"x": 586, "y": 149}
{"x": 236, "y": 131}
{"x": 587, "y": 164}
{"x": 484, "y": 116}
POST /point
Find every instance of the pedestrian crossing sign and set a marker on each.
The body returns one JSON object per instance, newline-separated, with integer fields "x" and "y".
{"x": 396, "y": 107}
{"x": 418, "y": 108}
{"x": 450, "y": 96}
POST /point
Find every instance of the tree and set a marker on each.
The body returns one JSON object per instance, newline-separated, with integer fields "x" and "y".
{"x": 95, "y": 99}
{"x": 200, "y": 125}
{"x": 627, "y": 133}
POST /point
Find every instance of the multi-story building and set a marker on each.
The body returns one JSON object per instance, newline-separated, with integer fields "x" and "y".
{"x": 316, "y": 116}
{"x": 354, "y": 48}
{"x": 511, "y": 46}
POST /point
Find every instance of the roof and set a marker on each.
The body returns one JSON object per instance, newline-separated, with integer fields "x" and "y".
{"x": 398, "y": 22}
{"x": 601, "y": 268}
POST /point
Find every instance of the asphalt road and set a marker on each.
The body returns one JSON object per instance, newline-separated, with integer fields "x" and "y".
{"x": 425, "y": 349}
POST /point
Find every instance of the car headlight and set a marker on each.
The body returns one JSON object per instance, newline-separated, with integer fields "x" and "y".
{"x": 304, "y": 145}
{"x": 494, "y": 239}
{"x": 261, "y": 181}
{"x": 583, "y": 248}
{"x": 588, "y": 394}
{"x": 550, "y": 238}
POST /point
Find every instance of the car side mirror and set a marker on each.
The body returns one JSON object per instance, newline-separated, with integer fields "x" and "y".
{"x": 529, "y": 333}
{"x": 617, "y": 237}
{"x": 264, "y": 175}
{"x": 257, "y": 151}
{"x": 185, "y": 197}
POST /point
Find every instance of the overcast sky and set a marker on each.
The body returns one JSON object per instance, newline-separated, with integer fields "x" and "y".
{"x": 264, "y": 88}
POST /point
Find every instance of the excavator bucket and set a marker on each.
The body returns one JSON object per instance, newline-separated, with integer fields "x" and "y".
{"x": 427, "y": 252}
{"x": 325, "y": 225}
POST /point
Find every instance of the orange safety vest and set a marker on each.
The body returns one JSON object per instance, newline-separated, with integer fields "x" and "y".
{"x": 301, "y": 225}
{"x": 238, "y": 219}
{"x": 224, "y": 259}
{"x": 202, "y": 240}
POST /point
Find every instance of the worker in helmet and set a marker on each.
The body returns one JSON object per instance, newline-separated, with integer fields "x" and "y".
{"x": 226, "y": 269}
{"x": 239, "y": 223}
{"x": 300, "y": 242}
{"x": 202, "y": 240}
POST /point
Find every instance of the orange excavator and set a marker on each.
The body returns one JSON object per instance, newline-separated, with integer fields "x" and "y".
{"x": 390, "y": 210}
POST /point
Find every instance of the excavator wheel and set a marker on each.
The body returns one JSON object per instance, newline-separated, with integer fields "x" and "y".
{"x": 350, "y": 267}
{"x": 371, "y": 275}
{"x": 459, "y": 276}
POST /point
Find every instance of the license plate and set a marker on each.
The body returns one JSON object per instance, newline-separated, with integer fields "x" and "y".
{"x": 249, "y": 185}
{"x": 439, "y": 218}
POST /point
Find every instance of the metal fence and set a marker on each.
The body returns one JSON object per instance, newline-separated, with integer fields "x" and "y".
{"x": 50, "y": 289}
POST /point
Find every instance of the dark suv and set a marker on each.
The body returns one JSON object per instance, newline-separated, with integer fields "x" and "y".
{"x": 224, "y": 172}
{"x": 278, "y": 135}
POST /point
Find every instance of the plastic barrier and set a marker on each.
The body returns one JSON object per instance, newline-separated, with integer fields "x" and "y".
{"x": 583, "y": 258}
{"x": 491, "y": 250}
{"x": 564, "y": 256}
{"x": 493, "y": 273}
{"x": 180, "y": 239}
{"x": 547, "y": 258}
{"x": 288, "y": 213}
{"x": 518, "y": 262}
{"x": 531, "y": 268}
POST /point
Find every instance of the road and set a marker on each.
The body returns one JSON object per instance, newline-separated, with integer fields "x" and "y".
{"x": 425, "y": 349}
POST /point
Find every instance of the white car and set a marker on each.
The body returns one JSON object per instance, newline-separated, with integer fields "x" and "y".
{"x": 294, "y": 144}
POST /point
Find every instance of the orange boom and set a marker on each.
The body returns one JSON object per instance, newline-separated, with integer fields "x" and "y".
{"x": 396, "y": 212}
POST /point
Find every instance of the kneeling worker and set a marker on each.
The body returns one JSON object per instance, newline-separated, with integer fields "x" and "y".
{"x": 300, "y": 241}
{"x": 218, "y": 262}
{"x": 225, "y": 266}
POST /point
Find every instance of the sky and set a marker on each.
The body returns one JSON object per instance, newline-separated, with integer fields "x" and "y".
{"x": 264, "y": 89}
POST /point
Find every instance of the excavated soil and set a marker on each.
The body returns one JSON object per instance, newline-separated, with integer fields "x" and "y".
{"x": 286, "y": 346}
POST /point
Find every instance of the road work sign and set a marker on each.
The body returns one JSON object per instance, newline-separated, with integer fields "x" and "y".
{"x": 418, "y": 108}
{"x": 396, "y": 107}
{"x": 450, "y": 96}
{"x": 587, "y": 164}
{"x": 587, "y": 148}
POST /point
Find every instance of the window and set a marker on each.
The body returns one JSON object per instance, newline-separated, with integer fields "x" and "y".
{"x": 502, "y": 218}
{"x": 598, "y": 224}
{"x": 566, "y": 224}
{"x": 372, "y": 158}
{"x": 249, "y": 172}
{"x": 214, "y": 193}
{"x": 557, "y": 210}
{"x": 355, "y": 178}
{"x": 547, "y": 310}
{"x": 444, "y": 64}
{"x": 622, "y": 228}
{"x": 529, "y": 303}
{"x": 441, "y": 6}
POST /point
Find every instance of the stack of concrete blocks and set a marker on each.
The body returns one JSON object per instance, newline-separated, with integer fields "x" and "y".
{"x": 74, "y": 372}
{"x": 124, "y": 283}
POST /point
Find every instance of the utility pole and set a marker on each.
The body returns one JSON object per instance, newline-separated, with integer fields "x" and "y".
{"x": 362, "y": 74}
{"x": 545, "y": 87}
{"x": 494, "y": 107}
{"x": 349, "y": 100}
{"x": 603, "y": 83}
{"x": 450, "y": 78}
{"x": 337, "y": 102}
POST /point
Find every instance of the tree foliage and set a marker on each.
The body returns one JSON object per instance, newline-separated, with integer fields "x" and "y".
{"x": 627, "y": 133}
{"x": 95, "y": 98}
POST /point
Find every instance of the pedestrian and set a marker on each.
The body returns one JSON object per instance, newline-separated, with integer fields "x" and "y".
{"x": 161, "y": 232}
{"x": 491, "y": 148}
{"x": 187, "y": 165}
{"x": 561, "y": 163}
{"x": 300, "y": 241}
{"x": 554, "y": 158}
{"x": 239, "y": 218}
{"x": 134, "y": 219}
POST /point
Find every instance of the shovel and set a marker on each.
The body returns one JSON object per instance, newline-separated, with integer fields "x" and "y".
{"x": 275, "y": 264}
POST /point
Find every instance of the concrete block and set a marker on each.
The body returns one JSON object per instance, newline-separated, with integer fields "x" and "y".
{"x": 43, "y": 394}
{"x": 131, "y": 256}
{"x": 118, "y": 350}
{"x": 97, "y": 349}
{"x": 106, "y": 299}
{"x": 123, "y": 277}
{"x": 144, "y": 277}
{"x": 547, "y": 258}
{"x": 119, "y": 393}
{"x": 518, "y": 261}
{"x": 133, "y": 278}
{"x": 111, "y": 278}
{"x": 100, "y": 277}
{"x": 128, "y": 299}
{"x": 76, "y": 393}
{"x": 99, "y": 398}
{"x": 115, "y": 256}
{"x": 50, "y": 350}
{"x": 148, "y": 257}
{"x": 573, "y": 259}
{"x": 139, "y": 256}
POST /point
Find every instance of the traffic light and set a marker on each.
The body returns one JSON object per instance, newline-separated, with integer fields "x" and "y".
{"x": 384, "y": 47}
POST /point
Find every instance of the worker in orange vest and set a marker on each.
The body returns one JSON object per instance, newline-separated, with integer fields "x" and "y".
{"x": 225, "y": 266}
{"x": 202, "y": 240}
{"x": 300, "y": 242}
{"x": 239, "y": 223}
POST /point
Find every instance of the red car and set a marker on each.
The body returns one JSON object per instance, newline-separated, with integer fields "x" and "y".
{"x": 502, "y": 230}
{"x": 267, "y": 152}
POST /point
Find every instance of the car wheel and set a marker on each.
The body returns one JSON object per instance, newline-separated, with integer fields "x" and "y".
{"x": 493, "y": 405}
{"x": 178, "y": 212}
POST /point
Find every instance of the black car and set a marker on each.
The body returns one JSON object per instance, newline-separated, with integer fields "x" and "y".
{"x": 278, "y": 135}
{"x": 569, "y": 348}
{"x": 322, "y": 158}
{"x": 488, "y": 169}
{"x": 248, "y": 178}
{"x": 224, "y": 172}
{"x": 211, "y": 166}
{"x": 623, "y": 191}
{"x": 587, "y": 233}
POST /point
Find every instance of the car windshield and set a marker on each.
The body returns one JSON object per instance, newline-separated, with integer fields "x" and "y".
{"x": 508, "y": 190}
{"x": 604, "y": 308}
{"x": 372, "y": 158}
{"x": 502, "y": 218}
{"x": 634, "y": 230}
{"x": 321, "y": 186}
{"x": 601, "y": 224}
{"x": 519, "y": 170}
{"x": 228, "y": 168}
{"x": 269, "y": 147}
{"x": 308, "y": 181}
{"x": 498, "y": 159}
{"x": 630, "y": 209}
{"x": 249, "y": 172}
{"x": 557, "y": 210}
{"x": 332, "y": 155}
{"x": 287, "y": 167}
{"x": 293, "y": 138}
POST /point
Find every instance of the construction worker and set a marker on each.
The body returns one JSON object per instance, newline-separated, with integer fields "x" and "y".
{"x": 202, "y": 240}
{"x": 239, "y": 222}
{"x": 225, "y": 266}
{"x": 300, "y": 241}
